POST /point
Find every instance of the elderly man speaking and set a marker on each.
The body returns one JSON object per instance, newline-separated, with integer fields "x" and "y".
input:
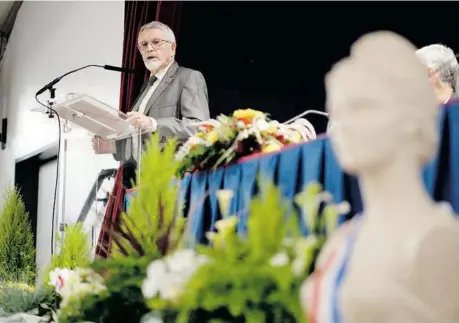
{"x": 172, "y": 102}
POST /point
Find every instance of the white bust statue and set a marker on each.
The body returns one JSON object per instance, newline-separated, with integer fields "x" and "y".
{"x": 399, "y": 261}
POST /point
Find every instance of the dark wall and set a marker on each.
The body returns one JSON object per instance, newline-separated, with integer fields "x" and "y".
{"x": 26, "y": 178}
{"x": 273, "y": 56}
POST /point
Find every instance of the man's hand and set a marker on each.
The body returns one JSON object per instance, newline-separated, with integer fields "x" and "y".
{"x": 141, "y": 121}
{"x": 102, "y": 146}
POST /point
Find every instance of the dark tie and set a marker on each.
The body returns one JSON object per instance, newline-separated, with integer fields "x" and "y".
{"x": 152, "y": 80}
{"x": 145, "y": 89}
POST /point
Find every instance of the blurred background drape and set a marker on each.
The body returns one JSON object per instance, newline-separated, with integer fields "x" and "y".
{"x": 136, "y": 14}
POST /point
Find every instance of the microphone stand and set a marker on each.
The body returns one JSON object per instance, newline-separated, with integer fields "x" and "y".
{"x": 51, "y": 112}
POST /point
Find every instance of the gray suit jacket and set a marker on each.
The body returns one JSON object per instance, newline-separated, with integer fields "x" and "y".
{"x": 177, "y": 104}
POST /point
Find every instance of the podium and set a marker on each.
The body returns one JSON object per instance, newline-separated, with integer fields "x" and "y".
{"x": 96, "y": 140}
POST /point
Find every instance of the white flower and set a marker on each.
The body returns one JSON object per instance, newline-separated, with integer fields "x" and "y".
{"x": 167, "y": 277}
{"x": 186, "y": 147}
{"x": 157, "y": 268}
{"x": 244, "y": 134}
{"x": 343, "y": 208}
{"x": 151, "y": 318}
{"x": 76, "y": 283}
{"x": 180, "y": 260}
{"x": 299, "y": 266}
{"x": 63, "y": 279}
{"x": 278, "y": 260}
{"x": 324, "y": 196}
{"x": 261, "y": 124}
{"x": 303, "y": 250}
{"x": 158, "y": 271}
{"x": 224, "y": 198}
{"x": 241, "y": 125}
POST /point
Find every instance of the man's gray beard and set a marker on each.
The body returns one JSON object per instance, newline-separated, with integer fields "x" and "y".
{"x": 152, "y": 66}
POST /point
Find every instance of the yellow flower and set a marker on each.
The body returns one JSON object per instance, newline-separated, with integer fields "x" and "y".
{"x": 271, "y": 146}
{"x": 21, "y": 286}
{"x": 212, "y": 137}
{"x": 248, "y": 114}
{"x": 273, "y": 129}
{"x": 226, "y": 226}
{"x": 201, "y": 134}
{"x": 211, "y": 236}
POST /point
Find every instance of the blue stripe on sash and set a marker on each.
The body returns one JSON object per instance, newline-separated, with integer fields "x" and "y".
{"x": 336, "y": 313}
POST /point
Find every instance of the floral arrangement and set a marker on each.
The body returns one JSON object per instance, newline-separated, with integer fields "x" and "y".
{"x": 247, "y": 278}
{"x": 229, "y": 138}
{"x": 150, "y": 231}
{"x": 153, "y": 275}
{"x": 77, "y": 283}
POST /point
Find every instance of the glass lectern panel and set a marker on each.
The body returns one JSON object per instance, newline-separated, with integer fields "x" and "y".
{"x": 97, "y": 141}
{"x": 90, "y": 165}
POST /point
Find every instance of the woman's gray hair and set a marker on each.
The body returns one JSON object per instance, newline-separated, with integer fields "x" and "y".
{"x": 168, "y": 33}
{"x": 441, "y": 59}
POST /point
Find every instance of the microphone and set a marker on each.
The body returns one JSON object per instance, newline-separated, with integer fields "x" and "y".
{"x": 118, "y": 69}
{"x": 107, "y": 67}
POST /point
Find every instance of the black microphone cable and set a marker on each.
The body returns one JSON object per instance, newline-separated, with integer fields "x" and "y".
{"x": 56, "y": 184}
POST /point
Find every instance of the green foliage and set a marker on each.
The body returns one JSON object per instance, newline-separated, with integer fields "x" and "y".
{"x": 17, "y": 252}
{"x": 74, "y": 251}
{"x": 243, "y": 281}
{"x": 240, "y": 285}
{"x": 152, "y": 228}
{"x": 153, "y": 223}
{"x": 19, "y": 298}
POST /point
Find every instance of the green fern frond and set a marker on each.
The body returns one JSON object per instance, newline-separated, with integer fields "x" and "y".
{"x": 74, "y": 250}
{"x": 152, "y": 221}
{"x": 267, "y": 219}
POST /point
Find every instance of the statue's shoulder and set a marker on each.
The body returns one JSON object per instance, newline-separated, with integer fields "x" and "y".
{"x": 434, "y": 277}
{"x": 340, "y": 239}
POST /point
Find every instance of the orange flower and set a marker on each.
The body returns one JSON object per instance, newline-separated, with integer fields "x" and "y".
{"x": 208, "y": 127}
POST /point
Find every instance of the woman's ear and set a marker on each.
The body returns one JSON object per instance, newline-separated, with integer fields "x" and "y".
{"x": 430, "y": 72}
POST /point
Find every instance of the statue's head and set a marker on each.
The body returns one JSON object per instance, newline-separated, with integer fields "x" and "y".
{"x": 381, "y": 105}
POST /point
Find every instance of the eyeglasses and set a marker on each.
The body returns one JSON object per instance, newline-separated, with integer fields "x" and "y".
{"x": 155, "y": 43}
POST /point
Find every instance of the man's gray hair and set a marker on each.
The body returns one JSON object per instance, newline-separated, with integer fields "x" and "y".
{"x": 168, "y": 33}
{"x": 441, "y": 59}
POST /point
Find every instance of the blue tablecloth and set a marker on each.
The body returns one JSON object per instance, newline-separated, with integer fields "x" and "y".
{"x": 292, "y": 168}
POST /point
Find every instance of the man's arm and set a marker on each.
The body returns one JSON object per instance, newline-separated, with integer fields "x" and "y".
{"x": 194, "y": 107}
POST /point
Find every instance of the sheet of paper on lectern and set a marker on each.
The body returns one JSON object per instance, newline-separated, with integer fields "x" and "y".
{"x": 95, "y": 116}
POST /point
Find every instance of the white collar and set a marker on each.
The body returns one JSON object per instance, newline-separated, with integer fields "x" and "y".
{"x": 159, "y": 75}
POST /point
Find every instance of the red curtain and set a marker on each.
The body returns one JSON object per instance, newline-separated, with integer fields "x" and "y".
{"x": 136, "y": 14}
